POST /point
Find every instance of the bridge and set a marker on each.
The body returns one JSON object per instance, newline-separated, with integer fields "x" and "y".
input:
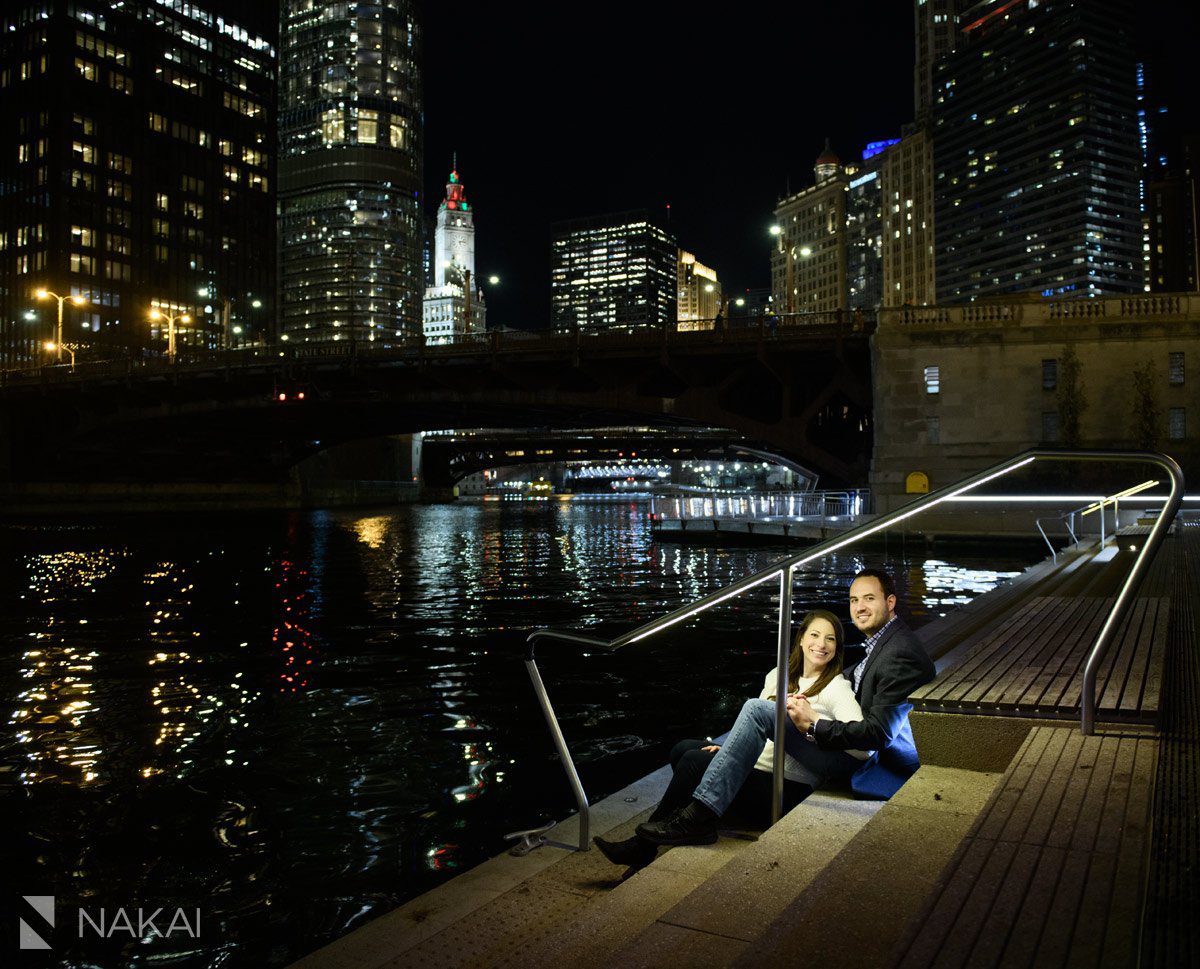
{"x": 799, "y": 388}
{"x": 448, "y": 457}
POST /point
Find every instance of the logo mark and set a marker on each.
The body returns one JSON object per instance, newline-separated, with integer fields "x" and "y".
{"x": 44, "y": 906}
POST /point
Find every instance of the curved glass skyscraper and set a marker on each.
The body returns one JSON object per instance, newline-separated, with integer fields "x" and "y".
{"x": 350, "y": 144}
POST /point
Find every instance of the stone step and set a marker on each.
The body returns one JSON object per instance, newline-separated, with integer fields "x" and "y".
{"x": 816, "y": 862}
{"x": 501, "y": 904}
{"x": 880, "y": 883}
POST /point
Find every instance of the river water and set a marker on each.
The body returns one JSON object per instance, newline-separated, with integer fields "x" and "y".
{"x": 295, "y": 722}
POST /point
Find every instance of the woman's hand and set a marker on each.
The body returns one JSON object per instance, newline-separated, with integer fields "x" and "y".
{"x": 800, "y": 711}
{"x": 711, "y": 748}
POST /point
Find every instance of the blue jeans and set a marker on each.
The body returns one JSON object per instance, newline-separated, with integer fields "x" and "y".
{"x": 754, "y": 726}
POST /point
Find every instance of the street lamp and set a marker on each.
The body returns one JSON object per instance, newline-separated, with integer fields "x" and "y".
{"x": 52, "y": 347}
{"x": 171, "y": 320}
{"x": 77, "y": 300}
{"x": 493, "y": 280}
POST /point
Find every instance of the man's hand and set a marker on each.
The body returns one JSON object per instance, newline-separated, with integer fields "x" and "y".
{"x": 711, "y": 748}
{"x": 800, "y": 711}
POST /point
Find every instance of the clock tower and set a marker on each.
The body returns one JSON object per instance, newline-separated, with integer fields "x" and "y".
{"x": 453, "y": 307}
{"x": 454, "y": 239}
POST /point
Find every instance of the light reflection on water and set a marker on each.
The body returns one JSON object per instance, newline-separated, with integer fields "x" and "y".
{"x": 297, "y": 722}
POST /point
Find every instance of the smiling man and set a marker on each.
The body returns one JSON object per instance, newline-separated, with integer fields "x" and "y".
{"x": 895, "y": 664}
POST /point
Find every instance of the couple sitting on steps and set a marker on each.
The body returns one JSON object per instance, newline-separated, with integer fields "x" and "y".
{"x": 839, "y": 726}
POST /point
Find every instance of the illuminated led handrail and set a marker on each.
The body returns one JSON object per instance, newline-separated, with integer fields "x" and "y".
{"x": 1068, "y": 517}
{"x": 785, "y": 571}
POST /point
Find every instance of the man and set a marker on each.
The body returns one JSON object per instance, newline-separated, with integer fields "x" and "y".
{"x": 895, "y": 664}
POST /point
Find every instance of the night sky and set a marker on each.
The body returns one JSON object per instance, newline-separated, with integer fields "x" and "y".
{"x": 649, "y": 104}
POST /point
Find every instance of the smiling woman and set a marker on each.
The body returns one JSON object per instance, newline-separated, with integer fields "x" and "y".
{"x": 814, "y": 672}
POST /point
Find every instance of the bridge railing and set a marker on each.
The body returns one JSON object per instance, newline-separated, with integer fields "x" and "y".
{"x": 762, "y": 506}
{"x": 689, "y": 334}
{"x": 784, "y": 573}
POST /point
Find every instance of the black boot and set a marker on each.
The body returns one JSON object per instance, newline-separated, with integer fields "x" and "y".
{"x": 632, "y": 852}
{"x": 692, "y": 824}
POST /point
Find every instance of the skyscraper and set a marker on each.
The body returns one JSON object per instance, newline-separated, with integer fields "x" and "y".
{"x": 1174, "y": 210}
{"x": 936, "y": 28}
{"x": 808, "y": 264}
{"x": 906, "y": 181}
{"x": 699, "y": 294}
{"x": 350, "y": 140}
{"x": 864, "y": 229}
{"x": 1035, "y": 148}
{"x": 454, "y": 304}
{"x": 138, "y": 177}
{"x": 613, "y": 270}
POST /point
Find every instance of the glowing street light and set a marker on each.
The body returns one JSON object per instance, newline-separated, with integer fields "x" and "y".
{"x": 77, "y": 300}
{"x": 171, "y": 321}
{"x": 805, "y": 251}
{"x": 775, "y": 230}
{"x": 493, "y": 280}
{"x": 58, "y": 347}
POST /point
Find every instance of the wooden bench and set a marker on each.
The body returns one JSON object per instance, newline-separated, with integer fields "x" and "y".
{"x": 1031, "y": 665}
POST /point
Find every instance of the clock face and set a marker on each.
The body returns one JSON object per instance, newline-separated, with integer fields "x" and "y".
{"x": 459, "y": 243}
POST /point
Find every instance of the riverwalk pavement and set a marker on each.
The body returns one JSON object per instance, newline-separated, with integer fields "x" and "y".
{"x": 1019, "y": 842}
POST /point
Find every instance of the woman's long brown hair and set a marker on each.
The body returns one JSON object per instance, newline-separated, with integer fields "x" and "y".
{"x": 832, "y": 668}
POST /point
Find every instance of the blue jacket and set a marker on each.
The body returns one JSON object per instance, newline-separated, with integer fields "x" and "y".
{"x": 897, "y": 665}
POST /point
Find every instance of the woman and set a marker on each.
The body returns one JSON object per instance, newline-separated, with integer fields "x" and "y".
{"x": 814, "y": 670}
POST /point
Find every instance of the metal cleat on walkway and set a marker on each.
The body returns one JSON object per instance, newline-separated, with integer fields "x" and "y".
{"x": 533, "y": 838}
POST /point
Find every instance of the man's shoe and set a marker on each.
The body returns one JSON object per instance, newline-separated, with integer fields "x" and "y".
{"x": 692, "y": 824}
{"x": 632, "y": 852}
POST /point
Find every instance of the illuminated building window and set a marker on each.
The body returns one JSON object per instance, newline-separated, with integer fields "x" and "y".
{"x": 333, "y": 127}
{"x": 933, "y": 380}
{"x": 368, "y": 127}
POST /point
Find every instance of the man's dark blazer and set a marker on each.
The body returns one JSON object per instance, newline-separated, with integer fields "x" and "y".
{"x": 897, "y": 665}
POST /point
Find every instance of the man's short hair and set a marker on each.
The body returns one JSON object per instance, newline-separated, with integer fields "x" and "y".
{"x": 886, "y": 582}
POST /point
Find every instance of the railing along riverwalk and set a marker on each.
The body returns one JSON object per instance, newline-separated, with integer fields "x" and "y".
{"x": 697, "y": 334}
{"x": 761, "y": 506}
{"x": 784, "y": 571}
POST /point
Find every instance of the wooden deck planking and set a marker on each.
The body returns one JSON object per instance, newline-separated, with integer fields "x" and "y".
{"x": 1151, "y": 649}
{"x": 1042, "y": 644}
{"x": 1052, "y": 872}
{"x": 1062, "y": 690}
{"x": 1033, "y": 664}
{"x": 979, "y": 658}
{"x": 1113, "y": 670}
{"x": 978, "y": 654}
{"x": 1026, "y": 687}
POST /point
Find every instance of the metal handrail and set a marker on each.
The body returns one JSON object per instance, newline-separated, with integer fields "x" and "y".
{"x": 785, "y": 570}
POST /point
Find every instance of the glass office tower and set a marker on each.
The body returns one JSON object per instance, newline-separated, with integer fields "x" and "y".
{"x": 137, "y": 173}
{"x": 613, "y": 270}
{"x": 1036, "y": 157}
{"x": 350, "y": 137}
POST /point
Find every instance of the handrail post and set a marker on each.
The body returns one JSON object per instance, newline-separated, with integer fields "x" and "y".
{"x": 1087, "y": 719}
{"x": 781, "y": 687}
{"x": 1053, "y": 553}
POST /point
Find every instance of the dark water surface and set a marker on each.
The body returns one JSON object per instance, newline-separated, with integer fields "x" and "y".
{"x": 296, "y": 722}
